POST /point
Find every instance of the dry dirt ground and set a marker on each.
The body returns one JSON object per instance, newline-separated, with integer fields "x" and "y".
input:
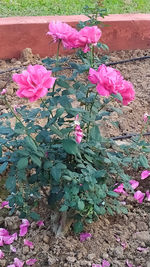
{"x": 117, "y": 238}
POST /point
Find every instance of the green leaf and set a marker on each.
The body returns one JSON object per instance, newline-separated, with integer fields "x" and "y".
{"x": 78, "y": 227}
{"x": 22, "y": 163}
{"x": 112, "y": 194}
{"x": 144, "y": 162}
{"x": 3, "y": 167}
{"x": 70, "y": 146}
{"x": 19, "y": 128}
{"x": 56, "y": 131}
{"x": 117, "y": 96}
{"x": 11, "y": 184}
{"x": 146, "y": 149}
{"x": 81, "y": 205}
{"x": 59, "y": 112}
{"x": 35, "y": 216}
{"x": 47, "y": 165}
{"x": 63, "y": 208}
{"x": 30, "y": 143}
{"x": 100, "y": 210}
{"x": 67, "y": 178}
{"x": 62, "y": 83}
{"x": 36, "y": 160}
{"x": 95, "y": 134}
{"x": 56, "y": 172}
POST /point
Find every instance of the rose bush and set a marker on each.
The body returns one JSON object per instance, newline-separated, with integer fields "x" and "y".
{"x": 57, "y": 149}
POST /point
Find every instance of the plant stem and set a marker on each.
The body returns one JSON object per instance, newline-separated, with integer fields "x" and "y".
{"x": 92, "y": 56}
{"x": 89, "y": 123}
{"x": 57, "y": 55}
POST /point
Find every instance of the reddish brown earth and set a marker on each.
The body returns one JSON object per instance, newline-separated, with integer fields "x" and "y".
{"x": 132, "y": 229}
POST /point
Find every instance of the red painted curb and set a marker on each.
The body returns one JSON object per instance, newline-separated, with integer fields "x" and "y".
{"x": 123, "y": 32}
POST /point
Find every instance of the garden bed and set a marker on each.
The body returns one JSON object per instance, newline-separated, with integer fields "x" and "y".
{"x": 123, "y": 32}
{"x": 115, "y": 239}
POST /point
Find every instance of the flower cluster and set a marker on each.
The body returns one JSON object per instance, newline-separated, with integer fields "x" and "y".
{"x": 72, "y": 38}
{"x": 110, "y": 81}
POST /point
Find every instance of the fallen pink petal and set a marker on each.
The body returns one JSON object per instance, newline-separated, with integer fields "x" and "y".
{"x": 124, "y": 245}
{"x": 13, "y": 249}
{"x": 3, "y": 232}
{"x": 18, "y": 263}
{"x": 129, "y": 264}
{"x": 117, "y": 238}
{"x": 139, "y": 196}
{"x": 1, "y": 254}
{"x": 105, "y": 263}
{"x": 24, "y": 227}
{"x": 145, "y": 174}
{"x": 40, "y": 223}
{"x": 31, "y": 262}
{"x": 120, "y": 189}
{"x": 134, "y": 183}
{"x": 5, "y": 204}
{"x": 85, "y": 236}
{"x": 28, "y": 243}
{"x": 3, "y": 92}
{"x": 142, "y": 249}
{"x": 148, "y": 195}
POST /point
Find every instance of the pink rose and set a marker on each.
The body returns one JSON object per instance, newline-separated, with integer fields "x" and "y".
{"x": 87, "y": 36}
{"x": 108, "y": 80}
{"x": 62, "y": 31}
{"x": 34, "y": 82}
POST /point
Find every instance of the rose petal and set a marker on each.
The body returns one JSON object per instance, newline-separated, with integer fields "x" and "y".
{"x": 28, "y": 243}
{"x": 148, "y": 195}
{"x": 85, "y": 236}
{"x": 1, "y": 254}
{"x": 145, "y": 174}
{"x": 13, "y": 249}
{"x": 139, "y": 196}
{"x": 18, "y": 263}
{"x": 40, "y": 223}
{"x": 5, "y": 203}
{"x": 142, "y": 249}
{"x": 105, "y": 263}
{"x": 134, "y": 183}
{"x": 129, "y": 264}
{"x": 31, "y": 262}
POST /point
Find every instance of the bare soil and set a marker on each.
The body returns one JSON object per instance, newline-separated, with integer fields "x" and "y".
{"x": 116, "y": 238}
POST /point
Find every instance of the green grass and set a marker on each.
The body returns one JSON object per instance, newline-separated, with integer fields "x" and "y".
{"x": 68, "y": 7}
